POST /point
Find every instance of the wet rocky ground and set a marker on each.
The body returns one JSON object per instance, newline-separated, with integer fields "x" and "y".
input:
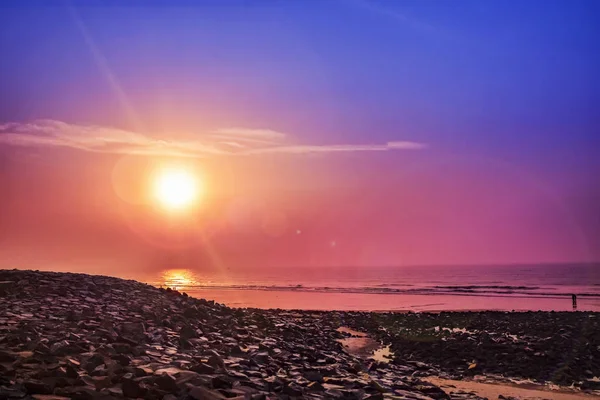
{"x": 558, "y": 347}
{"x": 79, "y": 336}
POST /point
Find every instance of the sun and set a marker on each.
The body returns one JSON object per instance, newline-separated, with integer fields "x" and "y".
{"x": 176, "y": 188}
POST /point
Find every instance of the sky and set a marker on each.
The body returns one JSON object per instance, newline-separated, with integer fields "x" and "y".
{"x": 325, "y": 133}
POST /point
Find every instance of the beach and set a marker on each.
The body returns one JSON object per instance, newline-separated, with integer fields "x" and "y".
{"x": 280, "y": 200}
{"x": 95, "y": 337}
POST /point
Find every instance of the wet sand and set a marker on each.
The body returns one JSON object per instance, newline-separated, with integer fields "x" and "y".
{"x": 324, "y": 301}
{"x": 492, "y": 390}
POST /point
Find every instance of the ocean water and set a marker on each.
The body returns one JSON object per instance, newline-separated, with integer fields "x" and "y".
{"x": 476, "y": 287}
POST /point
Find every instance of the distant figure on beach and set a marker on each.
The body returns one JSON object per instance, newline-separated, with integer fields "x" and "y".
{"x": 574, "y": 297}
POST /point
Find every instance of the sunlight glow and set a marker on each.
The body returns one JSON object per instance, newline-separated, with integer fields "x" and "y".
{"x": 176, "y": 188}
{"x": 178, "y": 279}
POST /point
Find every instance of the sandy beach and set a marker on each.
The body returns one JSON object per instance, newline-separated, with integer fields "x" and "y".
{"x": 80, "y": 336}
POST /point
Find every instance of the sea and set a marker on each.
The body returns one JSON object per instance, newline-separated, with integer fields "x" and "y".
{"x": 545, "y": 287}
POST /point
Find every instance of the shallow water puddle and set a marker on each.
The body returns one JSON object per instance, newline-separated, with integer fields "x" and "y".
{"x": 383, "y": 354}
{"x": 345, "y": 329}
{"x": 361, "y": 345}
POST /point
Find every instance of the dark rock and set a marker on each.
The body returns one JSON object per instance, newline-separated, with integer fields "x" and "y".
{"x": 237, "y": 351}
{"x": 411, "y": 395}
{"x": 166, "y": 382}
{"x": 81, "y": 393}
{"x": 203, "y": 368}
{"x": 315, "y": 386}
{"x": 122, "y": 359}
{"x": 216, "y": 361}
{"x": 37, "y": 387}
{"x": 313, "y": 375}
{"x": 222, "y": 382}
{"x": 71, "y": 372}
{"x": 374, "y": 396}
{"x": 132, "y": 388}
{"x": 7, "y": 357}
{"x": 261, "y": 358}
{"x": 190, "y": 312}
{"x": 122, "y": 348}
{"x": 201, "y": 393}
{"x": 187, "y": 332}
{"x": 590, "y": 385}
{"x": 293, "y": 390}
{"x": 431, "y": 391}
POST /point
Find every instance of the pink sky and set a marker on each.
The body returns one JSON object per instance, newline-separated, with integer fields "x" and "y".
{"x": 70, "y": 209}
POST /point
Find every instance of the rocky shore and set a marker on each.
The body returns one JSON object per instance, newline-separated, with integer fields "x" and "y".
{"x": 79, "y": 336}
{"x": 558, "y": 347}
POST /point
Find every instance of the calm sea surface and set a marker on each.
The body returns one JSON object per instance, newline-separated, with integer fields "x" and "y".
{"x": 531, "y": 287}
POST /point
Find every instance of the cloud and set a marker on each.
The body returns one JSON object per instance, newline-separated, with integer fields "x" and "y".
{"x": 406, "y": 145}
{"x": 222, "y": 142}
{"x": 261, "y": 135}
{"x": 305, "y": 149}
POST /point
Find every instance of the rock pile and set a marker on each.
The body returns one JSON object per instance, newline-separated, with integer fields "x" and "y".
{"x": 79, "y": 336}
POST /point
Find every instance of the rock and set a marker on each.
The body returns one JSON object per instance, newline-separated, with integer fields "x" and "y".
{"x": 166, "y": 382}
{"x": 431, "y": 390}
{"x": 122, "y": 359}
{"x": 411, "y": 395}
{"x": 132, "y": 389}
{"x": 333, "y": 394}
{"x": 80, "y": 393}
{"x": 315, "y": 386}
{"x": 237, "y": 351}
{"x": 11, "y": 393}
{"x": 7, "y": 357}
{"x": 216, "y": 361}
{"x": 94, "y": 361}
{"x": 190, "y": 312}
{"x": 71, "y": 372}
{"x": 142, "y": 371}
{"x": 293, "y": 389}
{"x": 187, "y": 332}
{"x": 261, "y": 358}
{"x": 201, "y": 393}
{"x": 122, "y": 348}
{"x": 203, "y": 368}
{"x": 313, "y": 376}
{"x": 374, "y": 396}
{"x": 590, "y": 384}
{"x": 133, "y": 329}
{"x": 37, "y": 387}
{"x": 5, "y": 287}
{"x": 101, "y": 382}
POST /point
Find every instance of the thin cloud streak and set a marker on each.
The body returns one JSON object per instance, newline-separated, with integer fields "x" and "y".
{"x": 257, "y": 134}
{"x": 336, "y": 148}
{"x": 222, "y": 142}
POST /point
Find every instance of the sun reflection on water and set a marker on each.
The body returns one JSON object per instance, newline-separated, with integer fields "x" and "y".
{"x": 177, "y": 279}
